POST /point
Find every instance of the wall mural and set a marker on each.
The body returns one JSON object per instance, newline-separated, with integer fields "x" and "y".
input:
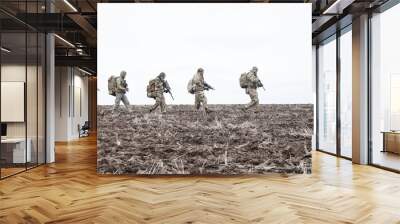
{"x": 181, "y": 93}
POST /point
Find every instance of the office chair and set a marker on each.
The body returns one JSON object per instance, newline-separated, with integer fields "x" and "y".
{"x": 84, "y": 130}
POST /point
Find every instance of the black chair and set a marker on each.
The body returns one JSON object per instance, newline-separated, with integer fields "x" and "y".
{"x": 84, "y": 130}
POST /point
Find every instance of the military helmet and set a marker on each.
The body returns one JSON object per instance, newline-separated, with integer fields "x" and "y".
{"x": 123, "y": 73}
{"x": 161, "y": 75}
{"x": 200, "y": 70}
{"x": 254, "y": 68}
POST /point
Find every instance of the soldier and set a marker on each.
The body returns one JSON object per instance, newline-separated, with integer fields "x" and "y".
{"x": 251, "y": 89}
{"x": 121, "y": 87}
{"x": 158, "y": 87}
{"x": 199, "y": 85}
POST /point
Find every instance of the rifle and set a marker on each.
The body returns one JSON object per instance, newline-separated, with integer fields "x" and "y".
{"x": 207, "y": 86}
{"x": 125, "y": 85}
{"x": 259, "y": 84}
{"x": 167, "y": 89}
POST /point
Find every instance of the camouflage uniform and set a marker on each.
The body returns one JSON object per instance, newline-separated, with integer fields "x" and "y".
{"x": 121, "y": 91}
{"x": 199, "y": 96}
{"x": 251, "y": 89}
{"x": 159, "y": 95}
{"x": 199, "y": 99}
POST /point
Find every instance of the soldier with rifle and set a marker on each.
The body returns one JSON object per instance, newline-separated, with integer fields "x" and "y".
{"x": 156, "y": 89}
{"x": 196, "y": 86}
{"x": 250, "y": 82}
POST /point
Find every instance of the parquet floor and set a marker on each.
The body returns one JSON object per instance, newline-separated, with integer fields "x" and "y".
{"x": 70, "y": 191}
{"x": 10, "y": 171}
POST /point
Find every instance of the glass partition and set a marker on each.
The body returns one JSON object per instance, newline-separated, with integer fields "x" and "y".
{"x": 35, "y": 89}
{"x": 14, "y": 153}
{"x": 31, "y": 97}
{"x": 22, "y": 78}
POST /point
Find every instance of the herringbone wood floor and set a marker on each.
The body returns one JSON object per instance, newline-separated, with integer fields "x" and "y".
{"x": 70, "y": 191}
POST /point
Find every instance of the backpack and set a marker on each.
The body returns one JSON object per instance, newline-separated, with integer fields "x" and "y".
{"x": 244, "y": 80}
{"x": 190, "y": 86}
{"x": 151, "y": 89}
{"x": 112, "y": 85}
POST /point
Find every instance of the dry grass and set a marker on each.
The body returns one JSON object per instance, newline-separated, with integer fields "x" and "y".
{"x": 185, "y": 141}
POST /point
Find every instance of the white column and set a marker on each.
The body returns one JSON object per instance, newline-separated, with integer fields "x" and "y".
{"x": 50, "y": 100}
{"x": 360, "y": 90}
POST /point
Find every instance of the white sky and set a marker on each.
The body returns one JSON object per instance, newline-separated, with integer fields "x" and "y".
{"x": 224, "y": 39}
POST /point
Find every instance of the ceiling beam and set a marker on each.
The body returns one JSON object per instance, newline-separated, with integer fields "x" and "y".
{"x": 86, "y": 26}
{"x": 82, "y": 61}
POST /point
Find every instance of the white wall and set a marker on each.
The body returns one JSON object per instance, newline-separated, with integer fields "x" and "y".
{"x": 12, "y": 73}
{"x": 16, "y": 73}
{"x": 61, "y": 103}
{"x": 79, "y": 117}
{"x": 69, "y": 82}
{"x": 224, "y": 39}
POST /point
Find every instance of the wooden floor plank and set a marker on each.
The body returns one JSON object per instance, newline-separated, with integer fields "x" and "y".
{"x": 70, "y": 191}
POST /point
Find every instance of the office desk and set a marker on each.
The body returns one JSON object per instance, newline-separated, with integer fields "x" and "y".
{"x": 13, "y": 150}
{"x": 391, "y": 141}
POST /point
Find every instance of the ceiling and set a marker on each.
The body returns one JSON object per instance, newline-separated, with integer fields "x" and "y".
{"x": 75, "y": 22}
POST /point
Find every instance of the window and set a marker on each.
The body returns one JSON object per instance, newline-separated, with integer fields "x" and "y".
{"x": 327, "y": 96}
{"x": 346, "y": 94}
{"x": 385, "y": 89}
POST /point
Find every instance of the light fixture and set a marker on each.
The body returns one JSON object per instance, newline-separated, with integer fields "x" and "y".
{"x": 64, "y": 40}
{"x": 5, "y": 50}
{"x": 70, "y": 5}
{"x": 337, "y": 7}
{"x": 80, "y": 51}
{"x": 333, "y": 6}
{"x": 84, "y": 71}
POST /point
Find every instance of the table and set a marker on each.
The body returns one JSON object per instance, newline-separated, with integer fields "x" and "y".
{"x": 13, "y": 150}
{"x": 391, "y": 141}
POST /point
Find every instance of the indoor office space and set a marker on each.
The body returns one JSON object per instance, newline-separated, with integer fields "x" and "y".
{"x": 24, "y": 67}
{"x": 334, "y": 59}
{"x": 208, "y": 112}
{"x": 22, "y": 104}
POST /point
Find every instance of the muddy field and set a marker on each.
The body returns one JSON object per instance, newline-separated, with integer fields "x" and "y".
{"x": 184, "y": 141}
